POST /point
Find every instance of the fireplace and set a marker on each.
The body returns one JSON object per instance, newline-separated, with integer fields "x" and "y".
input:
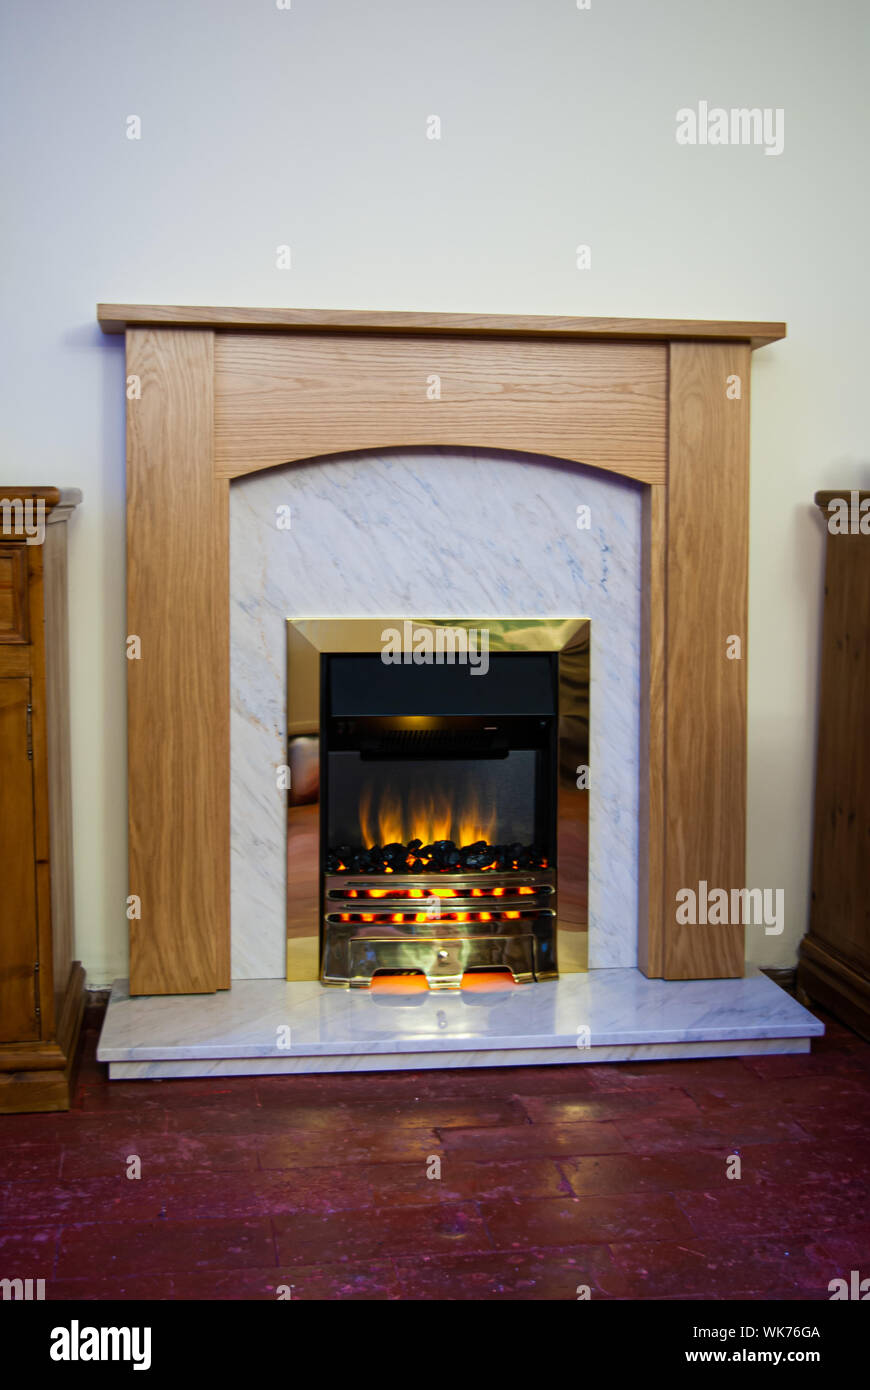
{"x": 627, "y": 477}
{"x": 437, "y": 808}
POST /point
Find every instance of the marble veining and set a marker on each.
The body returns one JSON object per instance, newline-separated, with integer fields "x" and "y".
{"x": 444, "y": 532}
{"x": 551, "y": 1021}
{"x": 429, "y": 1061}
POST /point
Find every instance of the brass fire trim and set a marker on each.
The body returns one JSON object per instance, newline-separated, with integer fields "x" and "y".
{"x": 310, "y": 638}
{"x": 443, "y": 959}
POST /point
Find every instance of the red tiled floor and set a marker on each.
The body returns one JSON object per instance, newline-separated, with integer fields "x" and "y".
{"x": 754, "y": 1210}
{"x": 133, "y": 1288}
{"x": 650, "y": 1133}
{"x": 408, "y": 1184}
{"x": 375, "y": 1279}
{"x": 102, "y": 1249}
{"x": 734, "y": 1267}
{"x": 804, "y": 1092}
{"x": 29, "y": 1252}
{"x": 538, "y": 1222}
{"x": 373, "y": 1233}
{"x": 553, "y": 1274}
{"x": 597, "y": 1107}
{"x": 95, "y": 1097}
{"x": 18, "y": 1162}
{"x": 439, "y": 1114}
{"x": 550, "y": 1179}
{"x": 531, "y": 1140}
{"x": 348, "y": 1144}
{"x": 176, "y": 1196}
{"x": 847, "y": 1248}
{"x": 161, "y": 1154}
{"x": 641, "y": 1173}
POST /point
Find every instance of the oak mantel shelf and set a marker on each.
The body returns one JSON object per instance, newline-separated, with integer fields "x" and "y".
{"x": 117, "y": 318}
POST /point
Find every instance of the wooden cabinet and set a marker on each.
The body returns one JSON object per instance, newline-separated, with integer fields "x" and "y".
{"x": 834, "y": 967}
{"x": 41, "y": 987}
{"x": 13, "y": 594}
{"x": 19, "y": 940}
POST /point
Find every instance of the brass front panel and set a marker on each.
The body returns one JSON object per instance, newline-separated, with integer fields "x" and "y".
{"x": 307, "y": 640}
{"x": 572, "y": 803}
{"x": 363, "y": 935}
{"x": 303, "y": 807}
{"x": 443, "y": 960}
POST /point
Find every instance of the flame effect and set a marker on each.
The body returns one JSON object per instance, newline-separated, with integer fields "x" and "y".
{"x": 446, "y": 917}
{"x": 474, "y": 981}
{"x": 426, "y": 816}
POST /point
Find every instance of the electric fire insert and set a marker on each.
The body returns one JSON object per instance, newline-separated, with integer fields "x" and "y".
{"x": 438, "y": 802}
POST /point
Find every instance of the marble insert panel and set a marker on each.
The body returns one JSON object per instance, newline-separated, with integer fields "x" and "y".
{"x": 437, "y": 532}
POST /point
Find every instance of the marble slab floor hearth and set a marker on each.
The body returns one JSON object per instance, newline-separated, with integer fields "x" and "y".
{"x": 599, "y": 1016}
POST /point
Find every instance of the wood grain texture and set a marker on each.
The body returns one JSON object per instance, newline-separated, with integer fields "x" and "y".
{"x": 59, "y": 777}
{"x": 40, "y": 1077}
{"x": 39, "y": 1038}
{"x": 31, "y": 1056}
{"x": 274, "y": 386}
{"x": 283, "y": 398}
{"x": 705, "y": 720}
{"x": 115, "y": 318}
{"x": 14, "y": 661}
{"x": 651, "y": 839}
{"x": 14, "y": 611}
{"x": 29, "y": 1092}
{"x": 220, "y": 523}
{"x": 177, "y": 705}
{"x": 19, "y": 945}
{"x": 835, "y": 956}
{"x": 50, "y": 496}
{"x": 40, "y": 659}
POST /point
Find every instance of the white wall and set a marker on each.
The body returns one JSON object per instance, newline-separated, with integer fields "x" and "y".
{"x": 307, "y": 126}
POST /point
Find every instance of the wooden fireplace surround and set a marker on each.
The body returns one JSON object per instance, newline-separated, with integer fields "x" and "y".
{"x": 216, "y": 393}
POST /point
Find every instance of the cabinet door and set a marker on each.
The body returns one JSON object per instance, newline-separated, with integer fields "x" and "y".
{"x": 18, "y": 927}
{"x": 13, "y": 593}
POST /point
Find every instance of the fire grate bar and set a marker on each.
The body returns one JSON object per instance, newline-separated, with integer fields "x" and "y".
{"x": 490, "y": 924}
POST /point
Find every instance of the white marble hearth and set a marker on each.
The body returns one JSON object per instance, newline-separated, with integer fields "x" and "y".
{"x": 270, "y": 1026}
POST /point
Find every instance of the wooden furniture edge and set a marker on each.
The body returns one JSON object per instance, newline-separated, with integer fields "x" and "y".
{"x": 116, "y": 318}
{"x": 652, "y": 802}
{"x": 59, "y": 502}
{"x": 823, "y": 500}
{"x": 37, "y": 1077}
{"x": 829, "y": 980}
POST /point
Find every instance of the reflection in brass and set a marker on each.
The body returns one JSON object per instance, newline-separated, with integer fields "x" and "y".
{"x": 437, "y": 945}
{"x": 307, "y": 640}
{"x": 443, "y": 960}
